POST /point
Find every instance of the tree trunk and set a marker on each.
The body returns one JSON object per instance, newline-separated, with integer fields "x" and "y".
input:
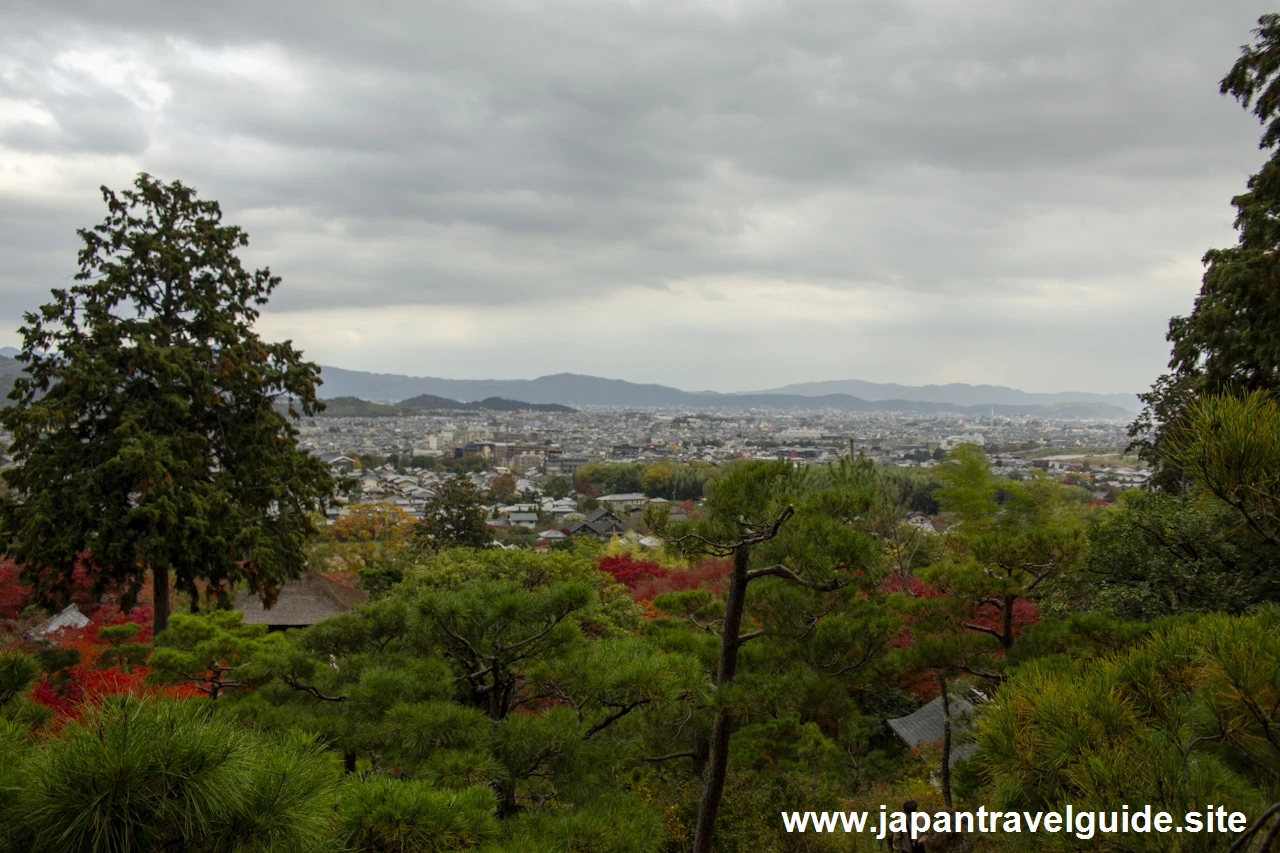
{"x": 507, "y": 796}
{"x": 349, "y": 761}
{"x": 701, "y": 753}
{"x": 946, "y": 740}
{"x": 160, "y": 607}
{"x": 1006, "y": 621}
{"x": 718, "y": 761}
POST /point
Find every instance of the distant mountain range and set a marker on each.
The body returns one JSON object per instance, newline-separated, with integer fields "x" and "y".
{"x": 578, "y": 390}
{"x": 349, "y": 390}
{"x": 354, "y": 407}
{"x": 955, "y": 392}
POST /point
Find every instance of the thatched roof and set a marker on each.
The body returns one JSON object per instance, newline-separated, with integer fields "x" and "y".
{"x": 303, "y": 602}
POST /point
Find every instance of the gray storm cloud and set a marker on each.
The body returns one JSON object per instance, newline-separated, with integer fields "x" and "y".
{"x": 550, "y": 154}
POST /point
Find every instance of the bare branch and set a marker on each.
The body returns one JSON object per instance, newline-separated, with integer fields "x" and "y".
{"x": 722, "y": 549}
{"x": 309, "y": 689}
{"x": 780, "y": 571}
{"x": 613, "y": 718}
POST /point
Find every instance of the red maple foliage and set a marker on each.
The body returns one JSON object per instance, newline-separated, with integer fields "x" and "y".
{"x": 647, "y": 580}
{"x": 86, "y": 683}
{"x": 629, "y": 571}
{"x": 711, "y": 573}
{"x": 925, "y": 684}
{"x": 14, "y": 596}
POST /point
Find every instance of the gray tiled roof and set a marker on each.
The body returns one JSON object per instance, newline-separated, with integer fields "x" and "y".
{"x": 69, "y": 617}
{"x": 925, "y": 725}
{"x": 306, "y": 601}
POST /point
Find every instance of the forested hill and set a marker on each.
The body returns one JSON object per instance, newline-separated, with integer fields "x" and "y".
{"x": 579, "y": 390}
{"x": 354, "y": 407}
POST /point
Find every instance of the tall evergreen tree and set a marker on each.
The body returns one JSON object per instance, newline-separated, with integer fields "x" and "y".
{"x": 147, "y": 429}
{"x": 1231, "y": 339}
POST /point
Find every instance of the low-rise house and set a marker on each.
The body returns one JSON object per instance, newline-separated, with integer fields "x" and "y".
{"x": 601, "y": 524}
{"x": 623, "y": 501}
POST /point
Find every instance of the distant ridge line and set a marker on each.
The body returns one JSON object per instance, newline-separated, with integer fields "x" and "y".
{"x": 570, "y": 389}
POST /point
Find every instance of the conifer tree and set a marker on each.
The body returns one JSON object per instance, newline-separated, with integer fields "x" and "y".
{"x": 1231, "y": 339}
{"x": 148, "y": 429}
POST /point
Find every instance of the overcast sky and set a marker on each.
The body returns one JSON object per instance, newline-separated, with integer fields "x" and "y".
{"x": 711, "y": 194}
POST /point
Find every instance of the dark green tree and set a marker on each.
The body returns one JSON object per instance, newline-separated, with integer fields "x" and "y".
{"x": 1231, "y": 339}
{"x": 1157, "y": 554}
{"x": 148, "y": 429}
{"x": 207, "y": 651}
{"x": 503, "y": 488}
{"x": 557, "y": 487}
{"x": 453, "y": 518}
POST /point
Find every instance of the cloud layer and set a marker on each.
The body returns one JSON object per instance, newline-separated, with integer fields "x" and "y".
{"x": 706, "y": 194}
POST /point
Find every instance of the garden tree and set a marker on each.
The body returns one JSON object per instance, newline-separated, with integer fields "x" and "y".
{"x": 656, "y": 480}
{"x": 19, "y": 716}
{"x": 209, "y": 652}
{"x": 503, "y": 488}
{"x": 557, "y": 487}
{"x": 381, "y": 814}
{"x": 942, "y": 648}
{"x": 341, "y": 678}
{"x": 751, "y": 515}
{"x": 1230, "y": 342}
{"x": 453, "y": 518}
{"x": 490, "y": 631}
{"x": 905, "y": 547}
{"x": 137, "y": 775}
{"x": 365, "y": 534}
{"x": 508, "y": 669}
{"x": 1227, "y": 445}
{"x": 1185, "y": 718}
{"x": 122, "y": 650}
{"x": 1156, "y": 554}
{"x": 494, "y": 634}
{"x": 148, "y": 429}
{"x": 1008, "y": 539}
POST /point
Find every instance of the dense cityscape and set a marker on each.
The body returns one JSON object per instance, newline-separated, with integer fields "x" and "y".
{"x": 409, "y": 453}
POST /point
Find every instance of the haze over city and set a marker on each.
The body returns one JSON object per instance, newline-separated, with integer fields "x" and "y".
{"x": 710, "y": 195}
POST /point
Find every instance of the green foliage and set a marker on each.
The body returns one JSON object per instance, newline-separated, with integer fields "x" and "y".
{"x": 1229, "y": 446}
{"x": 1230, "y": 342}
{"x": 1186, "y": 717}
{"x": 1009, "y": 538}
{"x": 139, "y": 776}
{"x": 146, "y": 430}
{"x": 611, "y": 613}
{"x": 1155, "y": 554}
{"x": 613, "y": 824}
{"x": 208, "y": 651}
{"x": 119, "y": 651}
{"x": 453, "y": 518}
{"x": 17, "y": 672}
{"x": 494, "y": 630}
{"x": 382, "y": 815}
{"x": 557, "y": 487}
